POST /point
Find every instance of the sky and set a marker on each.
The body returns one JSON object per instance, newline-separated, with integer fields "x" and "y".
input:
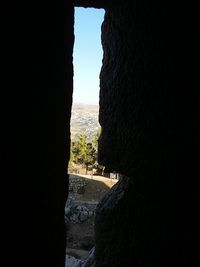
{"x": 87, "y": 55}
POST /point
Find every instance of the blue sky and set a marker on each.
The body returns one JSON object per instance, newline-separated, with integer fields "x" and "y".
{"x": 87, "y": 55}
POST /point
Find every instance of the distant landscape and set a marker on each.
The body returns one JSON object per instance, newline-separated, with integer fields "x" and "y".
{"x": 84, "y": 120}
{"x": 87, "y": 183}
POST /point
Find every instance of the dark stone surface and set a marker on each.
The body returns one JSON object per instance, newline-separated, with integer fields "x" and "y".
{"x": 148, "y": 113}
{"x": 115, "y": 224}
{"x": 132, "y": 229}
{"x": 149, "y": 101}
{"x": 90, "y": 3}
{"x": 140, "y": 107}
{"x": 36, "y": 86}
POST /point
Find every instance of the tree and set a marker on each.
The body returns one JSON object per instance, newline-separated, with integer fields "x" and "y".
{"x": 99, "y": 168}
{"x": 85, "y": 153}
{"x": 90, "y": 156}
{"x": 79, "y": 149}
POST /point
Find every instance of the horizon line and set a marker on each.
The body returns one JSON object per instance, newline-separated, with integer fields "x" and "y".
{"x": 84, "y": 103}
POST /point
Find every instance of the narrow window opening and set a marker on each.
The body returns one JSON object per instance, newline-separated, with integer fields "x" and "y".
{"x": 88, "y": 180}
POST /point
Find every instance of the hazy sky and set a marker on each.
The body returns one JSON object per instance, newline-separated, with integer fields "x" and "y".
{"x": 87, "y": 55}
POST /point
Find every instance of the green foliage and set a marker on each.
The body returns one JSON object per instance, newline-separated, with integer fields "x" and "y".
{"x": 84, "y": 153}
{"x": 90, "y": 156}
{"x": 79, "y": 149}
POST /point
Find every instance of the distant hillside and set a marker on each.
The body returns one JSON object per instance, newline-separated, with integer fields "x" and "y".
{"x": 84, "y": 119}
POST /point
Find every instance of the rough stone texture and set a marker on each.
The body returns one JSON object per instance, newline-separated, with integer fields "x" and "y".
{"x": 72, "y": 261}
{"x": 77, "y": 185}
{"x": 88, "y": 262}
{"x": 136, "y": 105}
{"x": 90, "y": 3}
{"x": 36, "y": 87}
{"x": 148, "y": 106}
{"x": 149, "y": 132}
{"x": 115, "y": 224}
{"x": 79, "y": 211}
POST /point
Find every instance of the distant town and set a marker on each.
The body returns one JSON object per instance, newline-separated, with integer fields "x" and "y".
{"x": 84, "y": 120}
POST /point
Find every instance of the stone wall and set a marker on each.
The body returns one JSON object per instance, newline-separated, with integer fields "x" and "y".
{"x": 36, "y": 88}
{"x": 79, "y": 211}
{"x": 148, "y": 102}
